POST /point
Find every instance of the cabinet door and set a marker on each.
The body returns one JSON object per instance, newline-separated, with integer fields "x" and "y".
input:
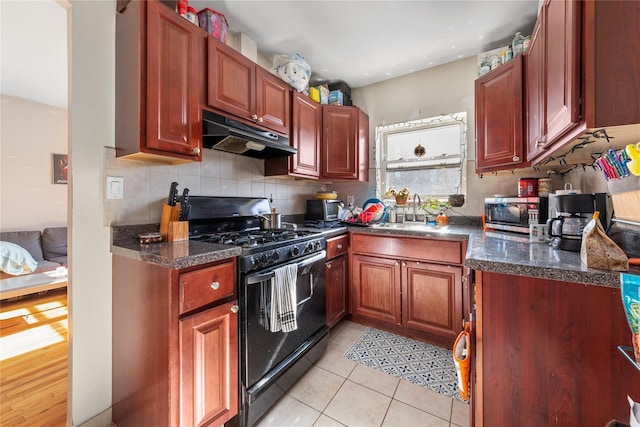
{"x": 209, "y": 366}
{"x": 336, "y": 273}
{"x": 432, "y": 298}
{"x": 375, "y": 288}
{"x": 562, "y": 72}
{"x": 499, "y": 130}
{"x": 173, "y": 114}
{"x": 305, "y": 136}
{"x": 272, "y": 101}
{"x": 232, "y": 79}
{"x": 534, "y": 83}
{"x": 340, "y": 142}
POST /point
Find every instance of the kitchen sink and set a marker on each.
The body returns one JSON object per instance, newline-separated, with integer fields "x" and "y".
{"x": 409, "y": 225}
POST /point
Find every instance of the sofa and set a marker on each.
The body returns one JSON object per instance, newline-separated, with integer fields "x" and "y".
{"x": 47, "y": 248}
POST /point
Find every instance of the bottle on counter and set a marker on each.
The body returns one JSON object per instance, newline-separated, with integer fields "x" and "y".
{"x": 508, "y": 54}
{"x": 526, "y": 43}
{"x": 518, "y": 41}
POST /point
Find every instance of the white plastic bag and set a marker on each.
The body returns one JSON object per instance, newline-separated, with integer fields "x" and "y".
{"x": 294, "y": 70}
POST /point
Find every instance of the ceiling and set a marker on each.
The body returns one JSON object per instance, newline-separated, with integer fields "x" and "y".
{"x": 360, "y": 42}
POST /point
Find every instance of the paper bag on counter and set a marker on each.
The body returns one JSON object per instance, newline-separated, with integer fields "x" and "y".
{"x": 599, "y": 251}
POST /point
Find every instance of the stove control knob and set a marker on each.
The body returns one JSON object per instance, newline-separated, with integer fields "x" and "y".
{"x": 295, "y": 251}
{"x": 274, "y": 256}
{"x": 264, "y": 259}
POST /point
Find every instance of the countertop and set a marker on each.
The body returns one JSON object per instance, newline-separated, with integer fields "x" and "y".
{"x": 491, "y": 251}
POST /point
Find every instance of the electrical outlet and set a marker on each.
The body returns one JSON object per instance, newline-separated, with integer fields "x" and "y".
{"x": 115, "y": 187}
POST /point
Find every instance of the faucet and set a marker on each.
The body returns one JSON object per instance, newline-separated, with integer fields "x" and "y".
{"x": 415, "y": 214}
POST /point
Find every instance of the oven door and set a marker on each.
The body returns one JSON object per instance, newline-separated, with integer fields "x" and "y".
{"x": 263, "y": 349}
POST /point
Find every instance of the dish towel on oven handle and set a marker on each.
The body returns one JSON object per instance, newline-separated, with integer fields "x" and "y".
{"x": 283, "y": 299}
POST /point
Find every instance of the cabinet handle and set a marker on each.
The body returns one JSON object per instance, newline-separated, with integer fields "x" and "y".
{"x": 516, "y": 158}
{"x": 254, "y": 117}
{"x": 404, "y": 264}
{"x": 329, "y": 266}
{"x": 539, "y": 144}
{"x": 196, "y": 151}
{"x": 259, "y": 120}
{"x": 215, "y": 285}
{"x": 396, "y": 263}
{"x": 339, "y": 245}
{"x": 234, "y": 308}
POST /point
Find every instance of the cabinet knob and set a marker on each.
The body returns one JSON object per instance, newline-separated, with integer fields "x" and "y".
{"x": 339, "y": 245}
{"x": 396, "y": 263}
{"x": 254, "y": 117}
{"x": 329, "y": 266}
{"x": 234, "y": 308}
{"x": 516, "y": 158}
{"x": 196, "y": 151}
{"x": 539, "y": 144}
{"x": 259, "y": 120}
{"x": 215, "y": 285}
{"x": 404, "y": 264}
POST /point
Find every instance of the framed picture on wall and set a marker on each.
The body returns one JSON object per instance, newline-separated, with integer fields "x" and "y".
{"x": 60, "y": 168}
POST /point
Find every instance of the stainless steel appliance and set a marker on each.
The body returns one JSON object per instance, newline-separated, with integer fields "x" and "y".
{"x": 574, "y": 211}
{"x": 270, "y": 361}
{"x": 321, "y": 209}
{"x": 515, "y": 213}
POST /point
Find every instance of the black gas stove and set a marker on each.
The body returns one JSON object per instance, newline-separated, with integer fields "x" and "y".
{"x": 263, "y": 248}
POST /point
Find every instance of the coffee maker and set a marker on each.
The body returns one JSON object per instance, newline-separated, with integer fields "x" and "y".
{"x": 573, "y": 212}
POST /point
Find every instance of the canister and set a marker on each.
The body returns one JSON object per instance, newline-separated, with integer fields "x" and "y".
{"x": 527, "y": 187}
{"x": 544, "y": 187}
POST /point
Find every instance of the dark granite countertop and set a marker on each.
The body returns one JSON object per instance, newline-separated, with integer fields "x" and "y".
{"x": 491, "y": 251}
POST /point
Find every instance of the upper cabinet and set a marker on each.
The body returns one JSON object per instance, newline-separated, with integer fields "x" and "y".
{"x": 156, "y": 118}
{"x": 240, "y": 87}
{"x": 345, "y": 143}
{"x": 499, "y": 130}
{"x": 306, "y": 120}
{"x": 553, "y": 75}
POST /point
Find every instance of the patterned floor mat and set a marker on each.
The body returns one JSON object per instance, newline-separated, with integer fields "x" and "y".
{"x": 417, "y": 362}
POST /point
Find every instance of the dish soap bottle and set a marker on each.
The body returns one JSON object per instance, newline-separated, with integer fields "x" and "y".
{"x": 518, "y": 41}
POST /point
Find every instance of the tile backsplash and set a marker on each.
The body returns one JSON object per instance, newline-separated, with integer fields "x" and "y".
{"x": 146, "y": 185}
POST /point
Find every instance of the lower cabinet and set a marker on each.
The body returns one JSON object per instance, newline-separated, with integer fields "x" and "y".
{"x": 336, "y": 278}
{"x": 413, "y": 283}
{"x": 546, "y": 353}
{"x": 175, "y": 344}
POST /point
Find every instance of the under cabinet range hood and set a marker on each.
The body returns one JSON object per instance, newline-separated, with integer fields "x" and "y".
{"x": 225, "y": 134}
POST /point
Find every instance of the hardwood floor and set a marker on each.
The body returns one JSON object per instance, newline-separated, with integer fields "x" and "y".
{"x": 33, "y": 360}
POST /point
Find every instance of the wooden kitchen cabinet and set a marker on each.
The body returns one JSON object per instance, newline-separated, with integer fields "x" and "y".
{"x": 546, "y": 352}
{"x": 239, "y": 86}
{"x": 158, "y": 114}
{"x": 414, "y": 284}
{"x": 305, "y": 135}
{"x": 345, "y": 143}
{"x": 499, "y": 115}
{"x": 175, "y": 344}
{"x": 336, "y": 278}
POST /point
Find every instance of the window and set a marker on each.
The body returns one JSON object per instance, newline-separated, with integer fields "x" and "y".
{"x": 426, "y": 156}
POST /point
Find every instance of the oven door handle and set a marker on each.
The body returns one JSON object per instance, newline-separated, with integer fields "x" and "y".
{"x": 257, "y": 278}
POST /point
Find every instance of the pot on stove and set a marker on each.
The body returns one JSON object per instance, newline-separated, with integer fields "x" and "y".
{"x": 270, "y": 221}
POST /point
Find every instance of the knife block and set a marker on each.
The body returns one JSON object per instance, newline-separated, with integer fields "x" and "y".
{"x": 178, "y": 230}
{"x": 169, "y": 214}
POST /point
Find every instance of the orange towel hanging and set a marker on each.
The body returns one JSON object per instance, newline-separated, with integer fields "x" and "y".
{"x": 462, "y": 359}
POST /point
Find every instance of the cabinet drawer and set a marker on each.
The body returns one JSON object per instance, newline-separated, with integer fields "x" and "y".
{"x": 201, "y": 287}
{"x": 447, "y": 251}
{"x": 337, "y": 246}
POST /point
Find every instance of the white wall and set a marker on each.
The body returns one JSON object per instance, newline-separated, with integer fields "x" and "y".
{"x": 30, "y": 133}
{"x": 92, "y": 127}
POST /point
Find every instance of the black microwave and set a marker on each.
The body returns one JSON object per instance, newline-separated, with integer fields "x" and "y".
{"x": 326, "y": 210}
{"x": 515, "y": 213}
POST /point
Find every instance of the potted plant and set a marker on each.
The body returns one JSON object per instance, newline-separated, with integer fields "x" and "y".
{"x": 435, "y": 208}
{"x": 401, "y": 196}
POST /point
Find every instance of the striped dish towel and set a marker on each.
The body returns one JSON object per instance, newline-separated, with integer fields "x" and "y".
{"x": 283, "y": 299}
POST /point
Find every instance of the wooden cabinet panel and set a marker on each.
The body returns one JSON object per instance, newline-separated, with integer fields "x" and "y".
{"x": 562, "y": 67}
{"x": 306, "y": 122}
{"x": 375, "y": 288}
{"x": 232, "y": 79}
{"x": 337, "y": 246}
{"x": 272, "y": 101}
{"x": 499, "y": 112}
{"x": 432, "y": 298}
{"x": 201, "y": 287}
{"x": 534, "y": 85}
{"x": 158, "y": 114}
{"x": 336, "y": 276}
{"x": 545, "y": 348}
{"x": 445, "y": 251}
{"x": 209, "y": 366}
{"x": 345, "y": 143}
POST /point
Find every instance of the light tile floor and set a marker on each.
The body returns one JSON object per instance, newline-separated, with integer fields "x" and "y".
{"x": 340, "y": 392}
